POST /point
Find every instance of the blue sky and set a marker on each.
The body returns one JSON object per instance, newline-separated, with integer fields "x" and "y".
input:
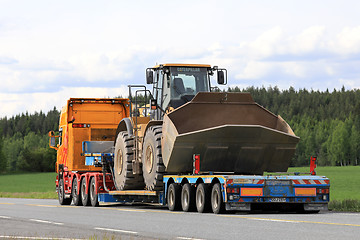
{"x": 51, "y": 51}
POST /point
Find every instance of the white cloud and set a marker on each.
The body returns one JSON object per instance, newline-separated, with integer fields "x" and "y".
{"x": 348, "y": 41}
{"x": 53, "y": 50}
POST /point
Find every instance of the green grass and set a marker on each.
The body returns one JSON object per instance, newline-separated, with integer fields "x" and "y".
{"x": 28, "y": 185}
{"x": 344, "y": 181}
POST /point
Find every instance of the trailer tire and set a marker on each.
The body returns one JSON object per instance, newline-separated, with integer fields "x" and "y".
{"x": 84, "y": 196}
{"x": 123, "y": 172}
{"x": 92, "y": 193}
{"x": 217, "y": 203}
{"x": 152, "y": 163}
{"x": 61, "y": 194}
{"x": 173, "y": 197}
{"x": 188, "y": 198}
{"x": 76, "y": 197}
{"x": 202, "y": 198}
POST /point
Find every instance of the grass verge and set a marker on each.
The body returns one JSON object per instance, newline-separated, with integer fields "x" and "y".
{"x": 38, "y": 195}
{"x": 28, "y": 185}
{"x": 347, "y": 205}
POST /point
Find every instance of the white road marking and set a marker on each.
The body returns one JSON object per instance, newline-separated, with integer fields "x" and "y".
{"x": 131, "y": 210}
{"x": 187, "y": 238}
{"x": 273, "y": 220}
{"x": 5, "y": 217}
{"x": 115, "y": 230}
{"x": 44, "y": 221}
{"x": 42, "y": 238}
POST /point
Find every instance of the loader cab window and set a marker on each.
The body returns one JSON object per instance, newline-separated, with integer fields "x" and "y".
{"x": 188, "y": 81}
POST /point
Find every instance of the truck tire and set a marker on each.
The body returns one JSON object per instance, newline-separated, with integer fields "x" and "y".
{"x": 217, "y": 203}
{"x": 61, "y": 194}
{"x": 92, "y": 192}
{"x": 123, "y": 172}
{"x": 84, "y": 196}
{"x": 188, "y": 198}
{"x": 202, "y": 198}
{"x": 152, "y": 163}
{"x": 76, "y": 198}
{"x": 173, "y": 197}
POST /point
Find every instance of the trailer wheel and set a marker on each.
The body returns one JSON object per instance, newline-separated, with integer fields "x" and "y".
{"x": 84, "y": 196}
{"x": 152, "y": 163}
{"x": 202, "y": 198}
{"x": 75, "y": 195}
{"x": 173, "y": 197}
{"x": 61, "y": 194}
{"x": 93, "y": 195}
{"x": 188, "y": 198}
{"x": 123, "y": 172}
{"x": 217, "y": 203}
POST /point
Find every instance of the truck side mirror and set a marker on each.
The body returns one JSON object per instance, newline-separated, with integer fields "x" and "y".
{"x": 52, "y": 140}
{"x": 149, "y": 76}
{"x": 220, "y": 77}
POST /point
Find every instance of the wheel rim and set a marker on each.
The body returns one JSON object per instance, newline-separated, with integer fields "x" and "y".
{"x": 149, "y": 159}
{"x": 200, "y": 198}
{"x": 83, "y": 191}
{"x": 171, "y": 197}
{"x": 92, "y": 191}
{"x": 119, "y": 162}
{"x": 75, "y": 189}
{"x": 215, "y": 198}
{"x": 186, "y": 198}
{"x": 61, "y": 190}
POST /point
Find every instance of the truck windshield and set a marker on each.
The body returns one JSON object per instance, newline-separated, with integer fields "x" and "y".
{"x": 188, "y": 81}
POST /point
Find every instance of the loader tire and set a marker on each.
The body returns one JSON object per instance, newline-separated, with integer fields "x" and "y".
{"x": 152, "y": 163}
{"x": 123, "y": 172}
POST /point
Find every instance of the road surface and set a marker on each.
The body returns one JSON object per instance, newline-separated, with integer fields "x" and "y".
{"x": 46, "y": 219}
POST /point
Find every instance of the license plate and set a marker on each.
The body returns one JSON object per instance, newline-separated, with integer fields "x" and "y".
{"x": 278, "y": 199}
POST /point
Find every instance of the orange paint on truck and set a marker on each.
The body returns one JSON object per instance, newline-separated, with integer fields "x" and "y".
{"x": 101, "y": 117}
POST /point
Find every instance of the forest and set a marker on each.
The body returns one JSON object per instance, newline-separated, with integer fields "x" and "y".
{"x": 328, "y": 124}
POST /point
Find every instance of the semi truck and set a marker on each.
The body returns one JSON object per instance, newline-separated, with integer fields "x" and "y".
{"x": 183, "y": 144}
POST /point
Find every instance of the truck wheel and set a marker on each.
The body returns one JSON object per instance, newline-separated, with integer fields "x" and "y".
{"x": 187, "y": 198}
{"x": 152, "y": 163}
{"x": 123, "y": 172}
{"x": 75, "y": 195}
{"x": 173, "y": 197}
{"x": 202, "y": 198}
{"x": 61, "y": 194}
{"x": 217, "y": 203}
{"x": 93, "y": 195}
{"x": 84, "y": 196}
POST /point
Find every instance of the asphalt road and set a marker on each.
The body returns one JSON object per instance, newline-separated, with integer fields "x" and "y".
{"x": 46, "y": 219}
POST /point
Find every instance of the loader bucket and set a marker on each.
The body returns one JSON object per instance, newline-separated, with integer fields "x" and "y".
{"x": 231, "y": 133}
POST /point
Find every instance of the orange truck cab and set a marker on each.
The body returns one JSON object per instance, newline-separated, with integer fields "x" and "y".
{"x": 81, "y": 120}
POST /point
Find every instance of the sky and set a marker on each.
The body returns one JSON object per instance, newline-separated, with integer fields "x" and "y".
{"x": 53, "y": 50}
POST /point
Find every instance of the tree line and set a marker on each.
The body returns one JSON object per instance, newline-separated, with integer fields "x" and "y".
{"x": 24, "y": 142}
{"x": 328, "y": 124}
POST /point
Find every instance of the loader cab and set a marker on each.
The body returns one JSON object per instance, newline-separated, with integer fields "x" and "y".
{"x": 176, "y": 84}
